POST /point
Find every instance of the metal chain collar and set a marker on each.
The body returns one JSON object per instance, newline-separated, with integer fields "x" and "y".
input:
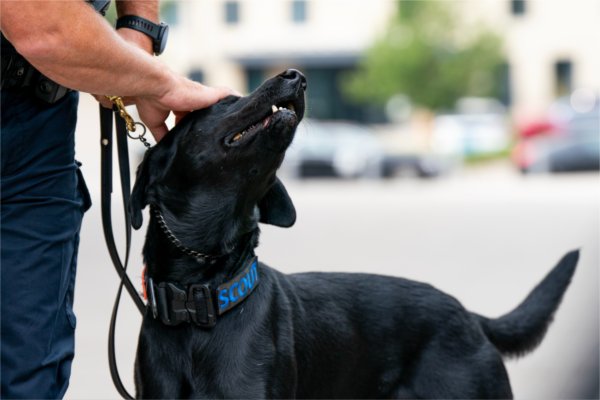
{"x": 129, "y": 122}
{"x": 200, "y": 257}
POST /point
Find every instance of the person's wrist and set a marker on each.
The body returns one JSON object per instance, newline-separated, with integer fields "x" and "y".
{"x": 137, "y": 38}
{"x": 165, "y": 83}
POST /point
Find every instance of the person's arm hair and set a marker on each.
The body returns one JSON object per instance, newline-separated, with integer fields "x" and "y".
{"x": 73, "y": 45}
{"x": 141, "y": 8}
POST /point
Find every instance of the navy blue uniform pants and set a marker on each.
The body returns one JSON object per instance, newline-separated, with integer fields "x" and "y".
{"x": 43, "y": 201}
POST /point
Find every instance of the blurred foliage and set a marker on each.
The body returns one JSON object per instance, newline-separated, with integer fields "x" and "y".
{"x": 429, "y": 56}
{"x": 473, "y": 159}
{"x": 111, "y": 13}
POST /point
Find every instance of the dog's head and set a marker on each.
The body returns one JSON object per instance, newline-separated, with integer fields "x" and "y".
{"x": 225, "y": 157}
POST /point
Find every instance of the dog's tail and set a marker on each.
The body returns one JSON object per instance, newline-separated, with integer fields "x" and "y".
{"x": 521, "y": 330}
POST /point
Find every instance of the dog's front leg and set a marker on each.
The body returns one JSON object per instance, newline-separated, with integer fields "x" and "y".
{"x": 154, "y": 383}
{"x": 158, "y": 374}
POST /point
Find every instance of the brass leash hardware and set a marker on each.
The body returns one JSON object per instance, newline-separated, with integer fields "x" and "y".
{"x": 118, "y": 101}
{"x": 129, "y": 122}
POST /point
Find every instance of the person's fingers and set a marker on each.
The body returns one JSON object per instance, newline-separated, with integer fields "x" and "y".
{"x": 214, "y": 94}
{"x": 128, "y": 101}
{"x": 227, "y": 91}
{"x": 179, "y": 115}
{"x": 159, "y": 131}
{"x": 183, "y": 97}
{"x": 236, "y": 93}
{"x": 102, "y": 100}
{"x": 106, "y": 103}
{"x": 188, "y": 95}
{"x": 154, "y": 117}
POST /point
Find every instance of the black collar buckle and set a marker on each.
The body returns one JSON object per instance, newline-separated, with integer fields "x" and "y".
{"x": 200, "y": 306}
{"x": 174, "y": 305}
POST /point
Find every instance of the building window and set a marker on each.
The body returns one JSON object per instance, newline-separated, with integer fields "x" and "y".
{"x": 563, "y": 76}
{"x": 254, "y": 78}
{"x": 299, "y": 11}
{"x": 196, "y": 75}
{"x": 518, "y": 7}
{"x": 232, "y": 12}
{"x": 504, "y": 78}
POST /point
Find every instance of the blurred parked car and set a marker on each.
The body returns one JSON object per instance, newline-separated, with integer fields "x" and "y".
{"x": 348, "y": 150}
{"x": 339, "y": 149}
{"x": 565, "y": 140}
{"x": 478, "y": 128}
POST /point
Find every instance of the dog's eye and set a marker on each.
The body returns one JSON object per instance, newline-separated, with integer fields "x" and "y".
{"x": 237, "y": 137}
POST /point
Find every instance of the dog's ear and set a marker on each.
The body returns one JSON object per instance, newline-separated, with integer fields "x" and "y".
{"x": 276, "y": 207}
{"x": 155, "y": 165}
{"x": 139, "y": 197}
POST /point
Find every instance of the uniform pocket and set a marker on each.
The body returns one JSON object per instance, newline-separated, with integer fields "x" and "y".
{"x": 84, "y": 193}
{"x": 72, "y": 272}
{"x": 85, "y": 202}
{"x": 13, "y": 144}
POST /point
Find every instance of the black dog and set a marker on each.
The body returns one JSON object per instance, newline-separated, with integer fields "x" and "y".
{"x": 222, "y": 325}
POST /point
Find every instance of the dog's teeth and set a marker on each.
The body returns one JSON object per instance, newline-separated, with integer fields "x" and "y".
{"x": 237, "y": 137}
{"x": 274, "y": 108}
{"x": 281, "y": 108}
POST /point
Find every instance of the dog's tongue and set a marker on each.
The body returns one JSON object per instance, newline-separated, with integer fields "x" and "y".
{"x": 266, "y": 121}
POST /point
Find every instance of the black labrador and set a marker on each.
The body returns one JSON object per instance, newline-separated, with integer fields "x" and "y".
{"x": 220, "y": 324}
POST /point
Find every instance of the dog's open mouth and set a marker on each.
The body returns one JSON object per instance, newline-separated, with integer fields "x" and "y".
{"x": 242, "y": 136}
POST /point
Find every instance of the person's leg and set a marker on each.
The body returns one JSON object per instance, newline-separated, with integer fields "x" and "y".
{"x": 41, "y": 215}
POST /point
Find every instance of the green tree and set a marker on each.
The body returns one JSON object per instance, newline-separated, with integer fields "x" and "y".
{"x": 428, "y": 55}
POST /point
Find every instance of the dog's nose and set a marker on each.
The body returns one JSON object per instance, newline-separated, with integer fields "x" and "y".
{"x": 295, "y": 75}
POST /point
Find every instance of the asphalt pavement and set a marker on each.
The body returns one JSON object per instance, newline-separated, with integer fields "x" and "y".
{"x": 485, "y": 235}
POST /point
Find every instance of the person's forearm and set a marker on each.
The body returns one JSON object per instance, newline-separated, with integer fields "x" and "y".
{"x": 142, "y": 8}
{"x": 65, "y": 40}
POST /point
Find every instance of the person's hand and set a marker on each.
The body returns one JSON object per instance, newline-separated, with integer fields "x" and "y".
{"x": 181, "y": 96}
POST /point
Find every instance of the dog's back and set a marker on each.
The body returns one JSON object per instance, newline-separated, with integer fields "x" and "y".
{"x": 366, "y": 335}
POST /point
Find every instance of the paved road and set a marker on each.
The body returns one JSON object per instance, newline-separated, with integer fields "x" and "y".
{"x": 485, "y": 235}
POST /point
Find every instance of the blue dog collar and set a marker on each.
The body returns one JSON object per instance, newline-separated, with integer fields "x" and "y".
{"x": 174, "y": 304}
{"x": 232, "y": 293}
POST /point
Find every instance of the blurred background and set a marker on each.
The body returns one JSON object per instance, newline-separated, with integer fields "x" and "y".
{"x": 452, "y": 142}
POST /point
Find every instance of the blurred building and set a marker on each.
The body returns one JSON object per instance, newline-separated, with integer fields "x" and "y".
{"x": 551, "y": 45}
{"x": 241, "y": 43}
{"x": 551, "y": 48}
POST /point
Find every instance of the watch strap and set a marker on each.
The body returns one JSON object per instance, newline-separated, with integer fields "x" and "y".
{"x": 139, "y": 24}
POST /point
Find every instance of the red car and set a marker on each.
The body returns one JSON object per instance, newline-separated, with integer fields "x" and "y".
{"x": 567, "y": 140}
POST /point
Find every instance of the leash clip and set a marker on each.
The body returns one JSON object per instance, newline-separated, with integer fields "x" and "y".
{"x": 129, "y": 122}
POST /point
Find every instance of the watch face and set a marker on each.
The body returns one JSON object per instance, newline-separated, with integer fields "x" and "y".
{"x": 162, "y": 38}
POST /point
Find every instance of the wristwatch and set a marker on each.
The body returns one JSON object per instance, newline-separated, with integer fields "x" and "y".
{"x": 157, "y": 32}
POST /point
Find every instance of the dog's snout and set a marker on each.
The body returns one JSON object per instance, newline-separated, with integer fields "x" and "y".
{"x": 295, "y": 75}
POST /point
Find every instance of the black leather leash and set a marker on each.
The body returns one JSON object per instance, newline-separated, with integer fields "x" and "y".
{"x": 120, "y": 264}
